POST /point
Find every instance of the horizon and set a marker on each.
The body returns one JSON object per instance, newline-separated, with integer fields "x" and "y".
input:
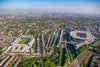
{"x": 76, "y": 6}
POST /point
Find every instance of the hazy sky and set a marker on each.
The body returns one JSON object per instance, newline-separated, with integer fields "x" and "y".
{"x": 85, "y": 6}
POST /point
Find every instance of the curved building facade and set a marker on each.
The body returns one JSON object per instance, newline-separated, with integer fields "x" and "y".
{"x": 81, "y": 37}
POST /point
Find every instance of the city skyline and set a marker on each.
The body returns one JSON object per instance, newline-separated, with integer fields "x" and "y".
{"x": 78, "y": 6}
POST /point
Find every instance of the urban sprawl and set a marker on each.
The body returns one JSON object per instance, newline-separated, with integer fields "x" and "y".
{"x": 49, "y": 40}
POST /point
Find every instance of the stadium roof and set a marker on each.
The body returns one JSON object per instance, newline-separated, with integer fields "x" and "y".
{"x": 86, "y": 35}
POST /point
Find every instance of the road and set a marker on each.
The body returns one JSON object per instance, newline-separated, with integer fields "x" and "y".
{"x": 77, "y": 61}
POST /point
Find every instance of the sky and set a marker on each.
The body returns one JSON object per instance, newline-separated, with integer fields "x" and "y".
{"x": 82, "y": 6}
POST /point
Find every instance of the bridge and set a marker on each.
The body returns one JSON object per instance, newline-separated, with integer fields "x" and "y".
{"x": 65, "y": 42}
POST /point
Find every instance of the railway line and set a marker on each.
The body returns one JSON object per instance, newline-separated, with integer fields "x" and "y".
{"x": 82, "y": 57}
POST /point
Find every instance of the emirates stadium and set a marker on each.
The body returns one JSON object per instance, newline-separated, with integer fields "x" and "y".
{"x": 81, "y": 37}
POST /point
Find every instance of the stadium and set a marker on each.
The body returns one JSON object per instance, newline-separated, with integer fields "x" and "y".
{"x": 81, "y": 37}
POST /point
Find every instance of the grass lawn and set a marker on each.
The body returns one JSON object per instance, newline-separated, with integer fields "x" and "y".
{"x": 23, "y": 41}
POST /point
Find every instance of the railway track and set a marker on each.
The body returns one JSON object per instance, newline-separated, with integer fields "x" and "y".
{"x": 82, "y": 57}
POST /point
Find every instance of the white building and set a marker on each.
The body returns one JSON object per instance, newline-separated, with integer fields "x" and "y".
{"x": 16, "y": 47}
